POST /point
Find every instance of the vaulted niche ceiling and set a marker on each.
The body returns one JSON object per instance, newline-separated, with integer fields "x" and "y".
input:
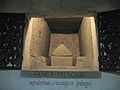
{"x": 64, "y": 25}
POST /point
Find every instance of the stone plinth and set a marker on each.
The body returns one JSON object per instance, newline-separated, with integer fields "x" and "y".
{"x": 61, "y": 61}
{"x": 83, "y": 63}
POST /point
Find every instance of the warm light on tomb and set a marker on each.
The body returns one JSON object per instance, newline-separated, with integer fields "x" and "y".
{"x": 61, "y": 44}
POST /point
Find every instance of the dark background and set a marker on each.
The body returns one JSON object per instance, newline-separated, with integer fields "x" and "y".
{"x": 109, "y": 40}
{"x": 11, "y": 40}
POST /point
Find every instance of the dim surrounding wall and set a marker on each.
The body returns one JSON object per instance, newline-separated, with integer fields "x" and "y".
{"x": 88, "y": 41}
{"x": 46, "y": 7}
{"x": 12, "y": 80}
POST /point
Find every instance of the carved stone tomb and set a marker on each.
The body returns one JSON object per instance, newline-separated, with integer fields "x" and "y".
{"x": 61, "y": 44}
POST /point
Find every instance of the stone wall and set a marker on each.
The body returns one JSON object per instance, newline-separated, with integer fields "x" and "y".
{"x": 40, "y": 40}
{"x": 37, "y": 41}
{"x": 88, "y": 41}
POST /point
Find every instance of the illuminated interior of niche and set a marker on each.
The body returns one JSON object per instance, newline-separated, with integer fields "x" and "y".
{"x": 77, "y": 35}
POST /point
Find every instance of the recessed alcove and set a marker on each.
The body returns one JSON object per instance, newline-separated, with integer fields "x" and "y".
{"x": 61, "y": 44}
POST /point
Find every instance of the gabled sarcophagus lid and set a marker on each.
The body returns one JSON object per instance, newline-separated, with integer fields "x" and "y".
{"x": 61, "y": 50}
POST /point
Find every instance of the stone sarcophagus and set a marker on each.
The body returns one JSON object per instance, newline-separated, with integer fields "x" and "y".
{"x": 61, "y": 44}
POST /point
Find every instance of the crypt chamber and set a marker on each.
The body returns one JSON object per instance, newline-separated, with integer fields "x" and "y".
{"x": 61, "y": 44}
